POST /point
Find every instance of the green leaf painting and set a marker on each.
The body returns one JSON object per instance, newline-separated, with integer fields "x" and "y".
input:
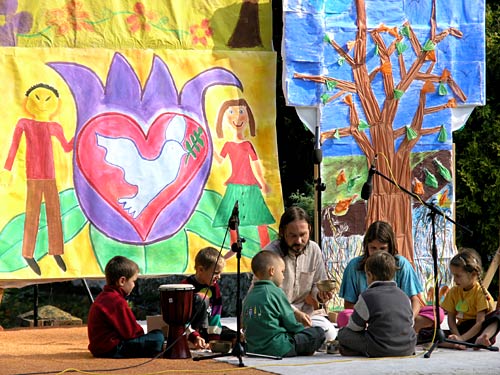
{"x": 169, "y": 256}
{"x": 430, "y": 179}
{"x": 11, "y": 236}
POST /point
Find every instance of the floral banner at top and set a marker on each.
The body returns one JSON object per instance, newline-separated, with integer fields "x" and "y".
{"x": 186, "y": 24}
{"x": 138, "y": 142}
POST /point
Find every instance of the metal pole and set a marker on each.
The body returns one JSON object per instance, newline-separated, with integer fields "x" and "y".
{"x": 35, "y": 305}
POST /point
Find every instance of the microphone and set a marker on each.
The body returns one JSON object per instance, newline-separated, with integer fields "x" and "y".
{"x": 234, "y": 219}
{"x": 366, "y": 190}
{"x": 317, "y": 153}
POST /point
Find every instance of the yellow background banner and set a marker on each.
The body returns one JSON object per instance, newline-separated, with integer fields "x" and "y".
{"x": 151, "y": 146}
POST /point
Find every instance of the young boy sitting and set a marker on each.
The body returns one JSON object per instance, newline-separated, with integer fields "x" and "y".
{"x": 207, "y": 305}
{"x": 382, "y": 322}
{"x": 112, "y": 328}
{"x": 268, "y": 318}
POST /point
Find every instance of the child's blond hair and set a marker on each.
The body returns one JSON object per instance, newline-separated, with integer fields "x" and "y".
{"x": 208, "y": 257}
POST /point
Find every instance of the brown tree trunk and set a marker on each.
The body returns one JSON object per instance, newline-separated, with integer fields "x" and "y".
{"x": 389, "y": 203}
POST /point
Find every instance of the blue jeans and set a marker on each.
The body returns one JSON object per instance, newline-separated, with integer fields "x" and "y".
{"x": 145, "y": 346}
{"x": 307, "y": 341}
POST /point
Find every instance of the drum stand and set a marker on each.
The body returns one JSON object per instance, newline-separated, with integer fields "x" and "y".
{"x": 238, "y": 349}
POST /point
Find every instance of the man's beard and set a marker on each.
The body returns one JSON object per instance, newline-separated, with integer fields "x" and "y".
{"x": 290, "y": 250}
{"x": 297, "y": 249}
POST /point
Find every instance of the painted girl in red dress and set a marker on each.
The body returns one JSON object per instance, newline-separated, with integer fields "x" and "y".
{"x": 246, "y": 183}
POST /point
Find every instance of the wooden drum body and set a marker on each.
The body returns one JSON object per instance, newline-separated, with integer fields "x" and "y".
{"x": 176, "y": 301}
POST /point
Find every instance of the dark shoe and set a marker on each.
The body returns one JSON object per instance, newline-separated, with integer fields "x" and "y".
{"x": 425, "y": 335}
{"x": 33, "y": 265}
{"x": 60, "y": 262}
{"x": 348, "y": 352}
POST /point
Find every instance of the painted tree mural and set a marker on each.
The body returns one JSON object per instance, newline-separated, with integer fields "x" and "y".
{"x": 391, "y": 64}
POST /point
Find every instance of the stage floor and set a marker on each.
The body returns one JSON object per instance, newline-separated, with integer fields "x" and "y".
{"x": 56, "y": 349}
{"x": 441, "y": 361}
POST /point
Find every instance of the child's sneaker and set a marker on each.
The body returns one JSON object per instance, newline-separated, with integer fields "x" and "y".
{"x": 332, "y": 347}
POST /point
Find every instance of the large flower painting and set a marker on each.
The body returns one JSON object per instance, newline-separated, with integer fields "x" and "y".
{"x": 113, "y": 149}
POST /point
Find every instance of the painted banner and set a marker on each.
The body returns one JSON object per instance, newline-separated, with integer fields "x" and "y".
{"x": 388, "y": 82}
{"x": 134, "y": 128}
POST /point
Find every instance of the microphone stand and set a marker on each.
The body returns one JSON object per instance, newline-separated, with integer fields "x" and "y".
{"x": 439, "y": 337}
{"x": 319, "y": 185}
{"x": 238, "y": 349}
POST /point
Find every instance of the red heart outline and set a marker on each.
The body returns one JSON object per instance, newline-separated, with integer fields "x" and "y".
{"x": 108, "y": 180}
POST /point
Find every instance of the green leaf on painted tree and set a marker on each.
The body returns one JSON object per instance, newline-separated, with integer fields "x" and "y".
{"x": 363, "y": 125}
{"x": 443, "y": 136}
{"x": 330, "y": 85}
{"x": 401, "y": 47}
{"x": 410, "y": 133}
{"x": 405, "y": 31}
{"x": 442, "y": 90}
{"x": 429, "y": 46}
{"x": 442, "y": 170}
{"x": 430, "y": 179}
{"x": 398, "y": 94}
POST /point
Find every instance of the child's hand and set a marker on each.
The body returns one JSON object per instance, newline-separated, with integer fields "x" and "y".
{"x": 455, "y": 337}
{"x": 303, "y": 318}
{"x": 324, "y": 296}
{"x": 200, "y": 343}
{"x": 311, "y": 301}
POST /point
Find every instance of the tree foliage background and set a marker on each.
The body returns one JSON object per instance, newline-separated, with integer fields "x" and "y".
{"x": 478, "y": 157}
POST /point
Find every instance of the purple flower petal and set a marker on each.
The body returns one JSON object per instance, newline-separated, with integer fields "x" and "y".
{"x": 8, "y": 7}
{"x": 22, "y": 22}
{"x": 7, "y": 38}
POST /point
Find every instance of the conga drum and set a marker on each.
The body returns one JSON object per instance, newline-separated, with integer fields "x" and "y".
{"x": 176, "y": 302}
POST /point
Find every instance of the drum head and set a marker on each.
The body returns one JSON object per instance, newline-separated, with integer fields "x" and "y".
{"x": 170, "y": 287}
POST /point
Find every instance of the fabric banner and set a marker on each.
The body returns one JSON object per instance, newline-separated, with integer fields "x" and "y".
{"x": 390, "y": 81}
{"x": 134, "y": 128}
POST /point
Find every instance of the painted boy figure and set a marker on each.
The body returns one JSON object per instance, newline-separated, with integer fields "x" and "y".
{"x": 42, "y": 103}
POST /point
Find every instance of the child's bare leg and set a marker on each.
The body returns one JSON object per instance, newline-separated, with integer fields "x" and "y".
{"x": 422, "y": 322}
{"x": 451, "y": 345}
{"x": 487, "y": 334}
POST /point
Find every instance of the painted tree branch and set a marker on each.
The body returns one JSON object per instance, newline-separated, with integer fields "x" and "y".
{"x": 388, "y": 202}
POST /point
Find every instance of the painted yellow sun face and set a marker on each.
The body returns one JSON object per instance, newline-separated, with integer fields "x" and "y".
{"x": 41, "y": 103}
